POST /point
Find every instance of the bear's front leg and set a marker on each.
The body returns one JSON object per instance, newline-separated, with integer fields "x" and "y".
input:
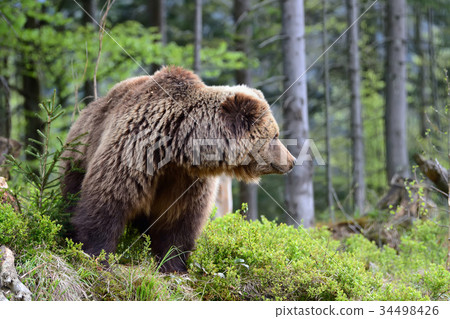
{"x": 174, "y": 232}
{"x": 173, "y": 243}
{"x": 98, "y": 225}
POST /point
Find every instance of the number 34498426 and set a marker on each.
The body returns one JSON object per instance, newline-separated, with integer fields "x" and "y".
{"x": 409, "y": 310}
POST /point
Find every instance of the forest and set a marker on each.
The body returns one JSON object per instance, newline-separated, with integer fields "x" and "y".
{"x": 360, "y": 86}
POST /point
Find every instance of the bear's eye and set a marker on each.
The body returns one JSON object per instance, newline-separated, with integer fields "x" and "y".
{"x": 276, "y": 136}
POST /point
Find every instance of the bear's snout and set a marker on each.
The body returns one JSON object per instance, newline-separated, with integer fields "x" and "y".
{"x": 291, "y": 163}
{"x": 284, "y": 169}
{"x": 281, "y": 160}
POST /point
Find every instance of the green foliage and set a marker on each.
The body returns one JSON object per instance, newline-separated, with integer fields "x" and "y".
{"x": 23, "y": 231}
{"x": 43, "y": 180}
{"x": 41, "y": 203}
{"x": 418, "y": 263}
{"x": 240, "y": 260}
{"x": 12, "y": 227}
{"x": 62, "y": 48}
{"x": 42, "y": 194}
{"x": 133, "y": 246}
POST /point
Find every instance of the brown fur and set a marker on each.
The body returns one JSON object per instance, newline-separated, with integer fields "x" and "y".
{"x": 112, "y": 170}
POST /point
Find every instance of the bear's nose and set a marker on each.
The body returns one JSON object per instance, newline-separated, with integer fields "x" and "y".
{"x": 292, "y": 163}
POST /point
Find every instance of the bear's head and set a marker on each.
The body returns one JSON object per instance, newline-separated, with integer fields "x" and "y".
{"x": 258, "y": 151}
{"x": 220, "y": 129}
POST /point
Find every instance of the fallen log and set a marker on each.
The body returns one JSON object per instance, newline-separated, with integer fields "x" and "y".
{"x": 404, "y": 199}
{"x": 9, "y": 280}
{"x": 433, "y": 171}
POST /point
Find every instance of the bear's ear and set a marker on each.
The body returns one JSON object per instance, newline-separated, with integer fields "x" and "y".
{"x": 240, "y": 112}
{"x": 259, "y": 94}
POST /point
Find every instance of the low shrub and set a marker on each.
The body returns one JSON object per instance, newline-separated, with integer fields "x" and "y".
{"x": 240, "y": 260}
{"x": 418, "y": 263}
{"x": 23, "y": 231}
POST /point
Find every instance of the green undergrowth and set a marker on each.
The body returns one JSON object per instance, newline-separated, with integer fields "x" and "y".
{"x": 235, "y": 260}
{"x": 419, "y": 261}
{"x": 25, "y": 229}
{"x": 240, "y": 260}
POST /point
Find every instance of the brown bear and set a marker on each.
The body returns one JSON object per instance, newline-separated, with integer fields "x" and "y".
{"x": 151, "y": 152}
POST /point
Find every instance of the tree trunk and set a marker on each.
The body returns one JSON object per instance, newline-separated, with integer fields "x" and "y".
{"x": 91, "y": 8}
{"x": 396, "y": 104}
{"x": 31, "y": 89}
{"x": 248, "y": 192}
{"x": 358, "y": 159}
{"x": 224, "y": 201}
{"x": 421, "y": 75}
{"x": 432, "y": 65}
{"x": 299, "y": 183}
{"x": 448, "y": 179}
{"x": 157, "y": 18}
{"x": 157, "y": 14}
{"x": 326, "y": 84}
{"x": 5, "y": 108}
{"x": 163, "y": 22}
{"x": 198, "y": 35}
